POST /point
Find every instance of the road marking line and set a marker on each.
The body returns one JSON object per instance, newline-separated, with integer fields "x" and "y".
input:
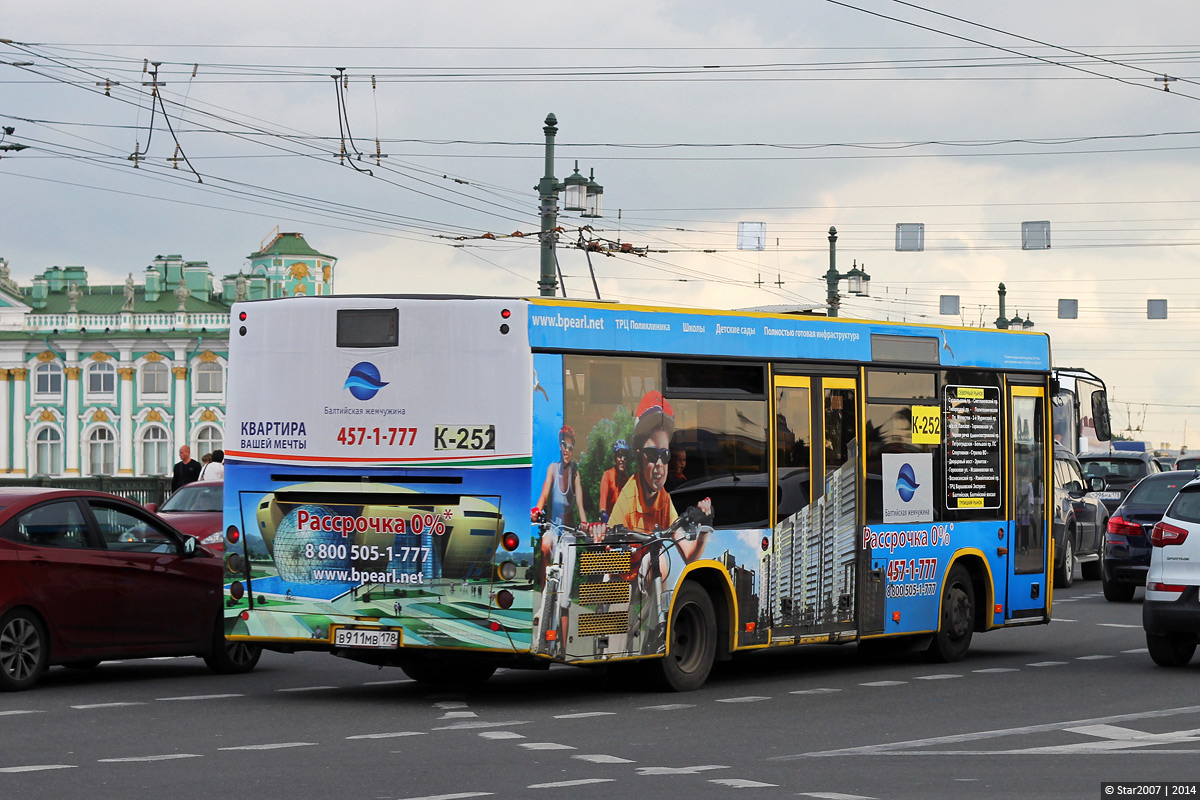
{"x": 1058, "y": 619}
{"x": 815, "y": 691}
{"x": 1137, "y": 650}
{"x": 392, "y": 735}
{"x": 448, "y": 704}
{"x": 835, "y": 796}
{"x": 996, "y": 670}
{"x": 1046, "y": 664}
{"x": 456, "y": 796}
{"x": 1117, "y": 625}
{"x": 306, "y": 689}
{"x": 459, "y": 715}
{"x": 884, "y": 683}
{"x": 201, "y": 697}
{"x": 38, "y": 767}
{"x": 891, "y": 747}
{"x": 667, "y": 707}
{"x": 679, "y": 770}
{"x": 742, "y": 783}
{"x": 600, "y": 758}
{"x": 753, "y": 698}
{"x": 169, "y": 757}
{"x": 392, "y": 683}
{"x": 561, "y": 784}
{"x": 466, "y": 726}
{"x": 107, "y": 705}
{"x": 21, "y": 711}
{"x": 584, "y": 714}
{"x": 942, "y": 676}
{"x": 546, "y": 746}
{"x": 501, "y": 735}
{"x": 1092, "y": 658}
{"x": 273, "y": 746}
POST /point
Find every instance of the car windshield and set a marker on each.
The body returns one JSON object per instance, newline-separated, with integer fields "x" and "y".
{"x": 195, "y": 497}
{"x": 1158, "y": 492}
{"x": 1120, "y": 468}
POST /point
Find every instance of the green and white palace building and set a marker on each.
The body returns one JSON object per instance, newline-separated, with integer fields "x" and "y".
{"x": 113, "y": 379}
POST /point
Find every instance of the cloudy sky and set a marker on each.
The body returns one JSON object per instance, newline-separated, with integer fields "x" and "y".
{"x": 970, "y": 118}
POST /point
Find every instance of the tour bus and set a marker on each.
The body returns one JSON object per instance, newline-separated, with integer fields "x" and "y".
{"x": 456, "y": 484}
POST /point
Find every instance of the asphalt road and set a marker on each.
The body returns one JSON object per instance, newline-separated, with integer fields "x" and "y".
{"x": 1046, "y": 711}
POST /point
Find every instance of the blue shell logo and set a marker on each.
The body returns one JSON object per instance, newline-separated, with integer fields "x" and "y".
{"x": 363, "y": 381}
{"x": 906, "y": 483}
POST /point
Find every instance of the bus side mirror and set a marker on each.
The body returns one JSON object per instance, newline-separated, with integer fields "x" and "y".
{"x": 1100, "y": 415}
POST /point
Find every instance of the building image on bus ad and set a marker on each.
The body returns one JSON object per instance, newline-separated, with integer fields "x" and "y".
{"x": 452, "y": 484}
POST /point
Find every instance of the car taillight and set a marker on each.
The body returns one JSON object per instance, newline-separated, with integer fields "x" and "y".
{"x": 1164, "y": 587}
{"x": 1122, "y": 527}
{"x": 1165, "y": 535}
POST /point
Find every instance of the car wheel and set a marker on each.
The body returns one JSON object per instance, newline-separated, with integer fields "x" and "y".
{"x": 230, "y": 658}
{"x": 24, "y": 651}
{"x": 1064, "y": 574}
{"x": 692, "y": 647}
{"x": 1171, "y": 649}
{"x": 957, "y": 624}
{"x": 1117, "y": 592}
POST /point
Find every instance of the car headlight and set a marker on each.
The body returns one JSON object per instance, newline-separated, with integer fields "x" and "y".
{"x": 214, "y": 538}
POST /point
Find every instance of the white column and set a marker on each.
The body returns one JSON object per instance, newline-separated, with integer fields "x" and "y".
{"x": 125, "y": 431}
{"x": 20, "y": 447}
{"x": 71, "y": 420}
{"x": 181, "y": 407}
{"x": 5, "y": 421}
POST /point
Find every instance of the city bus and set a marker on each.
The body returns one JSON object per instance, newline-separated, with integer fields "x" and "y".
{"x": 452, "y": 485}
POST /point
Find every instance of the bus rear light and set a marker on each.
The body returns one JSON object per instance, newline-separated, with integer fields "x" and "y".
{"x": 1165, "y": 535}
{"x": 505, "y": 313}
{"x": 766, "y": 544}
{"x": 507, "y": 571}
{"x": 504, "y": 599}
{"x": 895, "y": 616}
{"x": 242, "y": 316}
{"x": 1164, "y": 587}
{"x": 237, "y": 590}
{"x": 750, "y": 626}
{"x": 551, "y": 636}
{"x": 232, "y": 534}
{"x": 511, "y": 541}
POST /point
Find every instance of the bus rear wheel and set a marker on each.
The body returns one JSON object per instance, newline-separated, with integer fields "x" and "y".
{"x": 953, "y": 637}
{"x": 692, "y": 643}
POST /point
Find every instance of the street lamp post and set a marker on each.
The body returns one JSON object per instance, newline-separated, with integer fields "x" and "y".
{"x": 1003, "y": 322}
{"x": 858, "y": 281}
{"x": 579, "y": 194}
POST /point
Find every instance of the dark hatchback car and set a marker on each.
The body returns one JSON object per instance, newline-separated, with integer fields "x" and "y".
{"x": 1127, "y": 542}
{"x": 1079, "y": 520}
{"x": 1120, "y": 471}
{"x": 87, "y": 576}
{"x": 195, "y": 509}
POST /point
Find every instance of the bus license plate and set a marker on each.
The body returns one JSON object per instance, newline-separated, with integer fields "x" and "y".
{"x": 370, "y": 639}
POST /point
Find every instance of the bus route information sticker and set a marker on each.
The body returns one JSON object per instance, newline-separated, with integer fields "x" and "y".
{"x": 972, "y": 446}
{"x": 926, "y": 425}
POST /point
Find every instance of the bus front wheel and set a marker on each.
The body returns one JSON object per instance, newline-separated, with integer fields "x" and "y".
{"x": 953, "y": 637}
{"x": 692, "y": 643}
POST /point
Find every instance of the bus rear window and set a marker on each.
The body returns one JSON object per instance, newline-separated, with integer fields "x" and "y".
{"x": 368, "y": 327}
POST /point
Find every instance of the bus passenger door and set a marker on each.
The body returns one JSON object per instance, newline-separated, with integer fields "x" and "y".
{"x": 808, "y": 582}
{"x": 1028, "y": 574}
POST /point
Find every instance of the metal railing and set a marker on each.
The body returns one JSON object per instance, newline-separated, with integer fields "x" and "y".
{"x": 139, "y": 490}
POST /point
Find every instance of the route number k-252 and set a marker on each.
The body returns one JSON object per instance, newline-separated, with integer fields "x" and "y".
{"x": 464, "y": 437}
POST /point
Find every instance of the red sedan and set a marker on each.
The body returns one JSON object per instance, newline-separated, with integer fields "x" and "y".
{"x": 195, "y": 509}
{"x": 87, "y": 576}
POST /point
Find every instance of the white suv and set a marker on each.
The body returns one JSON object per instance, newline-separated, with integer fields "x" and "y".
{"x": 1171, "y": 611}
